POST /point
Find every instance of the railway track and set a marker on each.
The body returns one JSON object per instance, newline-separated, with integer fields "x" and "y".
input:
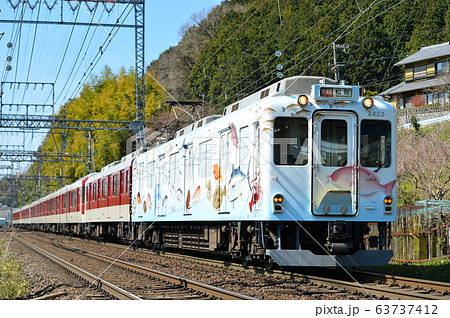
{"x": 124, "y": 280}
{"x": 421, "y": 286}
{"x": 349, "y": 284}
{"x": 366, "y": 285}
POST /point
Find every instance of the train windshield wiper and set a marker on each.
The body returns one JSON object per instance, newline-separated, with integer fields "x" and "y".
{"x": 380, "y": 166}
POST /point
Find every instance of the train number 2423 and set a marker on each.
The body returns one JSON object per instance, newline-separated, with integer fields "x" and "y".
{"x": 375, "y": 114}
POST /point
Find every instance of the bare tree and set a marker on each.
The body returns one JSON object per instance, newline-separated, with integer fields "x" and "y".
{"x": 424, "y": 162}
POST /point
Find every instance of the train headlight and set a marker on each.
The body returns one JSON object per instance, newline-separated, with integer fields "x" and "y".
{"x": 303, "y": 100}
{"x": 367, "y": 102}
{"x": 388, "y": 200}
{"x": 388, "y": 204}
{"x": 278, "y": 201}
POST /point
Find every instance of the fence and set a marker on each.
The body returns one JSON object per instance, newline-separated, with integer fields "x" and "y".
{"x": 431, "y": 108}
{"x": 422, "y": 231}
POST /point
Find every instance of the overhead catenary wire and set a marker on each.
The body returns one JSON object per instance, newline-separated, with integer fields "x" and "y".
{"x": 273, "y": 57}
{"x": 32, "y": 48}
{"x": 323, "y": 50}
{"x": 24, "y": 44}
{"x": 98, "y": 55}
{"x": 253, "y": 49}
{"x": 374, "y": 3}
{"x": 74, "y": 66}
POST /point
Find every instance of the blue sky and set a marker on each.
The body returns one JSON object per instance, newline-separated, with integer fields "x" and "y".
{"x": 164, "y": 18}
{"x": 66, "y": 56}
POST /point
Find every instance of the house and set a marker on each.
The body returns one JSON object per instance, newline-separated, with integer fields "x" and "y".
{"x": 427, "y": 78}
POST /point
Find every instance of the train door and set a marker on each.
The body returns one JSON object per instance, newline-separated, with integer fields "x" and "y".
{"x": 334, "y": 177}
{"x": 159, "y": 212}
{"x": 224, "y": 161}
{"x": 190, "y": 189}
{"x": 109, "y": 195}
{"x": 121, "y": 193}
{"x": 124, "y": 200}
{"x": 255, "y": 174}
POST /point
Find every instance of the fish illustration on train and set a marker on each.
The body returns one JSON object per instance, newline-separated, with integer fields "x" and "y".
{"x": 237, "y": 184}
{"x": 369, "y": 183}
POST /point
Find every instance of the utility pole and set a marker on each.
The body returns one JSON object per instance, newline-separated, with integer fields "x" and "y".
{"x": 335, "y": 67}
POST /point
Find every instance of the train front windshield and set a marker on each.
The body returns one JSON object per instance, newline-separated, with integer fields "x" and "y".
{"x": 375, "y": 143}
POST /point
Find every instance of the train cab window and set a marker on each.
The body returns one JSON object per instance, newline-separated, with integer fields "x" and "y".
{"x": 375, "y": 143}
{"x": 334, "y": 145}
{"x": 290, "y": 144}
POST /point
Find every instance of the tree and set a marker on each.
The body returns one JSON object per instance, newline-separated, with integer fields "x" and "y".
{"x": 424, "y": 164}
{"x": 106, "y": 97}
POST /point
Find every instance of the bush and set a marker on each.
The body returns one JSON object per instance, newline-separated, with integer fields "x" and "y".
{"x": 12, "y": 285}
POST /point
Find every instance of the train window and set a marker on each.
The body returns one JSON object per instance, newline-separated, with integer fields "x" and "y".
{"x": 94, "y": 191}
{"x": 127, "y": 181}
{"x": 74, "y": 198}
{"x": 172, "y": 168}
{"x": 208, "y": 157}
{"x": 66, "y": 201}
{"x": 140, "y": 175}
{"x": 104, "y": 189}
{"x": 203, "y": 160}
{"x": 245, "y": 148}
{"x": 334, "y": 148}
{"x": 115, "y": 185}
{"x": 375, "y": 143}
{"x": 150, "y": 174}
{"x": 290, "y": 144}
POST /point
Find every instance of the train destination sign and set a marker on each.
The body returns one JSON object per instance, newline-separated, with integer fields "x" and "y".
{"x": 335, "y": 92}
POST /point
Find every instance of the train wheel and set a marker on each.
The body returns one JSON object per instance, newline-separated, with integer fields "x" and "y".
{"x": 244, "y": 260}
{"x": 268, "y": 262}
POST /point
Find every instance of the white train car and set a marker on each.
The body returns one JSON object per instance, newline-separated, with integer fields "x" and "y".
{"x": 301, "y": 173}
{"x": 294, "y": 174}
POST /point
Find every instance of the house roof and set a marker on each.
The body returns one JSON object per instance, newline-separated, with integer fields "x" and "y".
{"x": 414, "y": 86}
{"x": 426, "y": 53}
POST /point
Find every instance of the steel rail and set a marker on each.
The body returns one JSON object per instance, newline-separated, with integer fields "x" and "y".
{"x": 90, "y": 278}
{"x": 181, "y": 281}
{"x": 186, "y": 283}
{"x": 418, "y": 283}
{"x": 362, "y": 288}
{"x": 368, "y": 291}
